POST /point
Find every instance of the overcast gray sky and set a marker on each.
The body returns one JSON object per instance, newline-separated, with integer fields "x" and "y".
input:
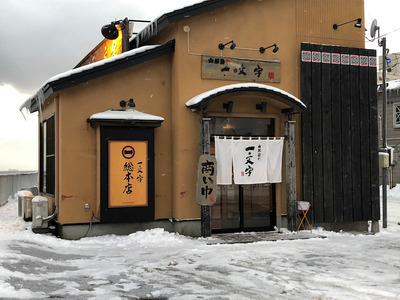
{"x": 42, "y": 38}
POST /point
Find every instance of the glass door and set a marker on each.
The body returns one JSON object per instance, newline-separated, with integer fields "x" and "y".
{"x": 258, "y": 207}
{"x": 243, "y": 207}
{"x": 225, "y": 213}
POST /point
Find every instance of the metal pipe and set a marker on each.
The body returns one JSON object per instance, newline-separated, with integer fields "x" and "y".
{"x": 51, "y": 217}
{"x": 384, "y": 129}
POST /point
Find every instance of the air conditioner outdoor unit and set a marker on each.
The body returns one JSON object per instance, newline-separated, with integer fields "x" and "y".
{"x": 40, "y": 211}
{"x": 25, "y": 204}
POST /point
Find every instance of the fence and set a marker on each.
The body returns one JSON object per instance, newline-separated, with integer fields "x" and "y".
{"x": 12, "y": 182}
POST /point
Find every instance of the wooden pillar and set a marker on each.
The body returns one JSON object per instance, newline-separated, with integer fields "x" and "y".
{"x": 291, "y": 174}
{"x": 125, "y": 35}
{"x": 205, "y": 149}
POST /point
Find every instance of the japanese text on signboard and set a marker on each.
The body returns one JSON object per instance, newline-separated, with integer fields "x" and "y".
{"x": 215, "y": 67}
{"x": 206, "y": 180}
{"x": 127, "y": 173}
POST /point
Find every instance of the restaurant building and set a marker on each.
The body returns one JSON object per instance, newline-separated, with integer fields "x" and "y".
{"x": 282, "y": 97}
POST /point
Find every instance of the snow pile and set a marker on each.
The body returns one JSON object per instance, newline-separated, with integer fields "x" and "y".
{"x": 157, "y": 264}
{"x": 9, "y": 220}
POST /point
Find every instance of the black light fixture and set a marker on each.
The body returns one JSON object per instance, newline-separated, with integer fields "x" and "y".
{"x": 228, "y": 106}
{"x": 110, "y": 31}
{"x": 262, "y": 107}
{"x": 276, "y": 48}
{"x": 222, "y": 46}
{"x": 357, "y": 25}
{"x": 130, "y": 103}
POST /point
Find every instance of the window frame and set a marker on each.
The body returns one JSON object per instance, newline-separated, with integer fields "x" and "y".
{"x": 47, "y": 156}
{"x": 396, "y": 115}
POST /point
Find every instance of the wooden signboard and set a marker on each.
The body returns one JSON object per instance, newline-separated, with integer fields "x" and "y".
{"x": 206, "y": 180}
{"x": 105, "y": 49}
{"x": 127, "y": 174}
{"x": 226, "y": 68}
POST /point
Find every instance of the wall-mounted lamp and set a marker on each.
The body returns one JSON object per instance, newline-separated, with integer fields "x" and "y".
{"x": 222, "y": 46}
{"x": 262, "y": 107}
{"x": 130, "y": 103}
{"x": 357, "y": 25}
{"x": 228, "y": 106}
{"x": 110, "y": 31}
{"x": 262, "y": 49}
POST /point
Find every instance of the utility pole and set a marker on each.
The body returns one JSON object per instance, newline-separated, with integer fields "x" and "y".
{"x": 382, "y": 43}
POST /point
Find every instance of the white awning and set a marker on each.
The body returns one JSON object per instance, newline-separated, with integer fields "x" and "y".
{"x": 199, "y": 100}
{"x": 125, "y": 116}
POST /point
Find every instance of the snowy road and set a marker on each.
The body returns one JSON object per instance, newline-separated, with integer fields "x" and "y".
{"x": 160, "y": 265}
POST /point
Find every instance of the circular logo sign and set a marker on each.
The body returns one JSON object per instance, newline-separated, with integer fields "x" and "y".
{"x": 128, "y": 152}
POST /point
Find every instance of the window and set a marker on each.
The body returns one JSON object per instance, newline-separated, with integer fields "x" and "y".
{"x": 47, "y": 156}
{"x": 242, "y": 126}
{"x": 396, "y": 115}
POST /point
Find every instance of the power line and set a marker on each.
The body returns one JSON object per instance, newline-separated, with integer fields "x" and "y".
{"x": 390, "y": 32}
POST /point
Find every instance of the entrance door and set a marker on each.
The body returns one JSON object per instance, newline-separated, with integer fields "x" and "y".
{"x": 243, "y": 207}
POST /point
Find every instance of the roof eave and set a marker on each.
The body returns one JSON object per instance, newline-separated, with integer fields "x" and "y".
{"x": 290, "y": 101}
{"x": 123, "y": 122}
{"x": 177, "y": 15}
{"x": 102, "y": 70}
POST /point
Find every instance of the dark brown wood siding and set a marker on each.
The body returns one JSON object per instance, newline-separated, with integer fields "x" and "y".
{"x": 339, "y": 133}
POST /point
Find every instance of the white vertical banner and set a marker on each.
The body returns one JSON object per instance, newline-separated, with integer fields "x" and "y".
{"x": 274, "y": 160}
{"x": 223, "y": 154}
{"x": 249, "y": 161}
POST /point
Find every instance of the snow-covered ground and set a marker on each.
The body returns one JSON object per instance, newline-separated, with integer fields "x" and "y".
{"x": 158, "y": 265}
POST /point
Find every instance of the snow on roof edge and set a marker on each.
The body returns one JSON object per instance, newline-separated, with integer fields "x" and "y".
{"x": 40, "y": 95}
{"x": 152, "y": 28}
{"x": 196, "y": 100}
{"x": 393, "y": 84}
{"x": 125, "y": 115}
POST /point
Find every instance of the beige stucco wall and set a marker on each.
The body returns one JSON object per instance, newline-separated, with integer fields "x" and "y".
{"x": 77, "y": 142}
{"x": 163, "y": 86}
{"x": 251, "y": 24}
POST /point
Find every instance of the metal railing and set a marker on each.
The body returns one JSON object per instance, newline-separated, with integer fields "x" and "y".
{"x": 12, "y": 182}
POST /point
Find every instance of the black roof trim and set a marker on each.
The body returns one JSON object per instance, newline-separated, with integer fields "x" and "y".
{"x": 168, "y": 18}
{"x": 117, "y": 122}
{"x": 99, "y": 71}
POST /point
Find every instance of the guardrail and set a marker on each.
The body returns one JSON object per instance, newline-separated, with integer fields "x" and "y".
{"x": 12, "y": 182}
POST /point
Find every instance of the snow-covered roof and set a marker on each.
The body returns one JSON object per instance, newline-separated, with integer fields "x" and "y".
{"x": 390, "y": 85}
{"x": 101, "y": 63}
{"x": 393, "y": 84}
{"x": 200, "y": 99}
{"x": 153, "y": 28}
{"x": 124, "y": 116}
{"x": 95, "y": 70}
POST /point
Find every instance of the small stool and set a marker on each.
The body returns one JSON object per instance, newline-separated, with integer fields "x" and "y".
{"x": 302, "y": 210}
